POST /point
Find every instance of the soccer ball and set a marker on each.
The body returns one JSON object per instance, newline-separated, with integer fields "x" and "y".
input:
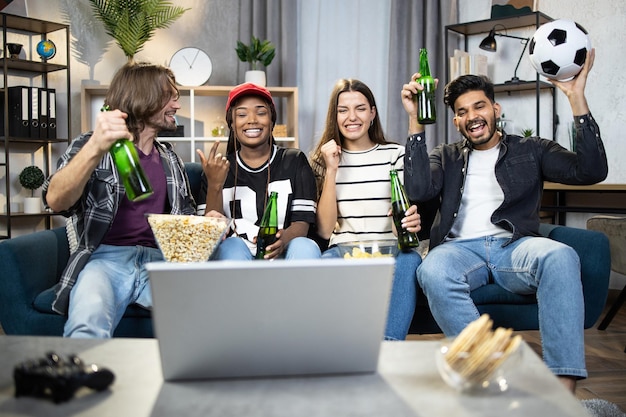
{"x": 558, "y": 49}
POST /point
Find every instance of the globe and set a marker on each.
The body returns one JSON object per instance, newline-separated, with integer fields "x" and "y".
{"x": 46, "y": 49}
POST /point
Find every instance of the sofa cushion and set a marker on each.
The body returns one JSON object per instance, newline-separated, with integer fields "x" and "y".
{"x": 43, "y": 304}
{"x": 495, "y": 294}
{"x": 43, "y": 301}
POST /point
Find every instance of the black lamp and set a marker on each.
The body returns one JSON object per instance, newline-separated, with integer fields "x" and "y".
{"x": 489, "y": 44}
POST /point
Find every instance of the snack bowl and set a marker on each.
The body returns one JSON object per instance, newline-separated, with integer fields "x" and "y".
{"x": 479, "y": 363}
{"x": 187, "y": 238}
{"x": 368, "y": 248}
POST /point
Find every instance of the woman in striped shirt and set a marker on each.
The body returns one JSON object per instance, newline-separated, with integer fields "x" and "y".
{"x": 351, "y": 163}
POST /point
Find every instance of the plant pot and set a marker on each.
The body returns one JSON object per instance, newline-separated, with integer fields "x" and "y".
{"x": 257, "y": 77}
{"x": 32, "y": 205}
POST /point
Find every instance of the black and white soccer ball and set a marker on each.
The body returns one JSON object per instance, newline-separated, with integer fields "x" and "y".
{"x": 558, "y": 49}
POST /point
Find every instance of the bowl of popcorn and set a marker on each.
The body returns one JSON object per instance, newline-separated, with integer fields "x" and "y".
{"x": 368, "y": 249}
{"x": 480, "y": 358}
{"x": 187, "y": 238}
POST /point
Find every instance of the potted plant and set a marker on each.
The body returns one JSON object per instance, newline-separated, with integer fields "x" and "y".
{"x": 132, "y": 23}
{"x": 527, "y": 132}
{"x": 256, "y": 52}
{"x": 31, "y": 178}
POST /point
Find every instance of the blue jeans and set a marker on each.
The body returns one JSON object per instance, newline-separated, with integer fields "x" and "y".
{"x": 530, "y": 265}
{"x": 234, "y": 248}
{"x": 403, "y": 292}
{"x": 113, "y": 278}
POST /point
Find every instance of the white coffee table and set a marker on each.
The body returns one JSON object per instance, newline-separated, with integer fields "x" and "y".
{"x": 407, "y": 384}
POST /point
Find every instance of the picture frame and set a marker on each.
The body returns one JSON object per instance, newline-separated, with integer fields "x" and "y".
{"x": 505, "y": 8}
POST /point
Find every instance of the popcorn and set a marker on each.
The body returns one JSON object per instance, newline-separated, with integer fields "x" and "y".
{"x": 186, "y": 238}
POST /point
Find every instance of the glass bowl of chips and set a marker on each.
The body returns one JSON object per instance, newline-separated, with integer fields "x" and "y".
{"x": 479, "y": 359}
{"x": 368, "y": 249}
{"x": 187, "y": 238}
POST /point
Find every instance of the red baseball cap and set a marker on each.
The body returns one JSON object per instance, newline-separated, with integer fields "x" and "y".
{"x": 248, "y": 89}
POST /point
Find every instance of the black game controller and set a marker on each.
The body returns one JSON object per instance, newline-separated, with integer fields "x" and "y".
{"x": 57, "y": 379}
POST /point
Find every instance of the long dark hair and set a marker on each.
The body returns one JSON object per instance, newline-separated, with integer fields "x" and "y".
{"x": 331, "y": 129}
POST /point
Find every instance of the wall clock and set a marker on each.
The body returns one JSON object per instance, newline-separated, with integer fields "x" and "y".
{"x": 191, "y": 66}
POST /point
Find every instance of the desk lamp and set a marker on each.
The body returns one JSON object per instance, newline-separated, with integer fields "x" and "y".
{"x": 489, "y": 44}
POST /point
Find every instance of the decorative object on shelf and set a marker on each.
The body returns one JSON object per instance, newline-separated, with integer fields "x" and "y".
{"x": 256, "y": 52}
{"x": 14, "y": 50}
{"x": 220, "y": 129}
{"x": 489, "y": 44}
{"x": 191, "y": 66}
{"x": 280, "y": 131}
{"x": 558, "y": 49}
{"x": 503, "y": 8}
{"x": 132, "y": 23}
{"x": 31, "y": 178}
{"x": 46, "y": 49}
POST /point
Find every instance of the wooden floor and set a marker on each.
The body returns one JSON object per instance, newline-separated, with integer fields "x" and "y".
{"x": 606, "y": 359}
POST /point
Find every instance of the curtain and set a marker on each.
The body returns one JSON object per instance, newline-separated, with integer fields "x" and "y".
{"x": 274, "y": 20}
{"x": 376, "y": 42}
{"x": 320, "y": 41}
{"x": 417, "y": 24}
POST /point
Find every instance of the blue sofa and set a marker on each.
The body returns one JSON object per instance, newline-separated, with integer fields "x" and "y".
{"x": 31, "y": 265}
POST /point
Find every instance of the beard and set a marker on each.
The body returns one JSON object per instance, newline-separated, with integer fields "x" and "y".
{"x": 487, "y": 136}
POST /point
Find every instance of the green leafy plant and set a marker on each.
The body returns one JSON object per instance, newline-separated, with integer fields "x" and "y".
{"x": 133, "y": 22}
{"x": 257, "y": 51}
{"x": 527, "y": 132}
{"x": 31, "y": 178}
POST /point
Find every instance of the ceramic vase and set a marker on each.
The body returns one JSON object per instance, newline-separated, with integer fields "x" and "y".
{"x": 257, "y": 77}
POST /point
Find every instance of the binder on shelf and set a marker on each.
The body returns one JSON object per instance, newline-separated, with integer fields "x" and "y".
{"x": 52, "y": 114}
{"x": 43, "y": 113}
{"x": 34, "y": 113}
{"x": 20, "y": 102}
{"x": 2, "y": 112}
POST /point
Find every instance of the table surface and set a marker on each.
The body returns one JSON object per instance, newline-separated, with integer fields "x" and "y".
{"x": 407, "y": 384}
{"x": 602, "y": 187}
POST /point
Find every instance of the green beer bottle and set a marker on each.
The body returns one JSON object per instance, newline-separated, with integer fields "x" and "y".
{"x": 426, "y": 100}
{"x": 399, "y": 205}
{"x": 268, "y": 226}
{"x": 131, "y": 173}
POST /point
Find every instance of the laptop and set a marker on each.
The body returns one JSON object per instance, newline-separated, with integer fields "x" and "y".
{"x": 241, "y": 319}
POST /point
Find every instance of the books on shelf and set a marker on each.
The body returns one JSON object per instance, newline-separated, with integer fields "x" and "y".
{"x": 462, "y": 63}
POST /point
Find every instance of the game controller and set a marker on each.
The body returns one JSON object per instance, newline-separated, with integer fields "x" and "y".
{"x": 58, "y": 379}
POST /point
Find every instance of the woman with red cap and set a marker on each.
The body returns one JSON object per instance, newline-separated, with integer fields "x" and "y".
{"x": 238, "y": 184}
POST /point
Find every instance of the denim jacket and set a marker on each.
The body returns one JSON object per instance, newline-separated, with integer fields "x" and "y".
{"x": 90, "y": 218}
{"x": 522, "y": 166}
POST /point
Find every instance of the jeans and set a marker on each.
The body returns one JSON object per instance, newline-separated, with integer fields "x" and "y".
{"x": 113, "y": 278}
{"x": 403, "y": 293}
{"x": 530, "y": 265}
{"x": 234, "y": 248}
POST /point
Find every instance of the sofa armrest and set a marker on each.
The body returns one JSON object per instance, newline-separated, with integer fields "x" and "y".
{"x": 595, "y": 262}
{"x": 30, "y": 264}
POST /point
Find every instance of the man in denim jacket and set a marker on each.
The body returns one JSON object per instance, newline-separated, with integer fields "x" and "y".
{"x": 487, "y": 229}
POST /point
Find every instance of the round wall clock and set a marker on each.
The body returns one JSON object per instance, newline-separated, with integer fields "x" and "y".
{"x": 191, "y": 66}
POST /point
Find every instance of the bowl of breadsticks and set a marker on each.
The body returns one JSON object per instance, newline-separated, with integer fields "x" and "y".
{"x": 479, "y": 358}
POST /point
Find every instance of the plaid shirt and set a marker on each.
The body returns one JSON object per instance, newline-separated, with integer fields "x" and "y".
{"x": 92, "y": 215}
